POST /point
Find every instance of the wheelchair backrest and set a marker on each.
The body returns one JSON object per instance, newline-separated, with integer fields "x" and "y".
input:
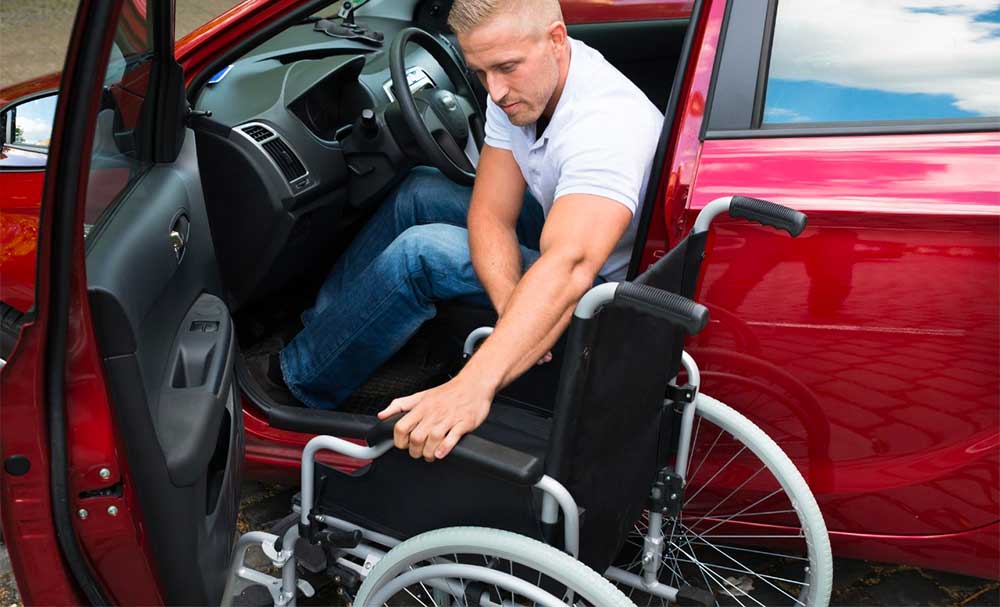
{"x": 609, "y": 406}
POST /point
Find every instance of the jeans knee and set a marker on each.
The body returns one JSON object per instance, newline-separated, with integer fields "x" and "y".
{"x": 436, "y": 257}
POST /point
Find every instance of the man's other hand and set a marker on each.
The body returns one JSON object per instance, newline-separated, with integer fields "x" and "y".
{"x": 436, "y": 419}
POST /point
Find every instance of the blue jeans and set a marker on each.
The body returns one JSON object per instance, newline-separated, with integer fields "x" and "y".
{"x": 412, "y": 253}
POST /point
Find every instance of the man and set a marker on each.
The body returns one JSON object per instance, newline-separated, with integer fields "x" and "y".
{"x": 563, "y": 124}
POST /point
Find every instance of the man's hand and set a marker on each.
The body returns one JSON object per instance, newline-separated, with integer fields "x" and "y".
{"x": 437, "y": 418}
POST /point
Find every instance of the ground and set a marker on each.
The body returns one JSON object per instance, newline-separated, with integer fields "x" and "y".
{"x": 856, "y": 583}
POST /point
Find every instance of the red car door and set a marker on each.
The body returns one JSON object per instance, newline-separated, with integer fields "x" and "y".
{"x": 120, "y": 429}
{"x": 868, "y": 348}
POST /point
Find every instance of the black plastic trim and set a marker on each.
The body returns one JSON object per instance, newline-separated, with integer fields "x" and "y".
{"x": 737, "y": 73}
{"x": 94, "y": 18}
{"x": 713, "y": 81}
{"x": 664, "y": 147}
{"x": 764, "y": 68}
{"x": 11, "y": 321}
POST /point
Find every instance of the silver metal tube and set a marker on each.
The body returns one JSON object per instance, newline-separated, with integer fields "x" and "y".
{"x": 337, "y": 445}
{"x": 571, "y": 515}
{"x": 253, "y": 538}
{"x": 469, "y": 572}
{"x": 687, "y": 418}
{"x": 710, "y": 212}
{"x": 630, "y": 579}
{"x": 474, "y": 338}
{"x": 652, "y": 548}
{"x": 595, "y": 299}
{"x": 289, "y": 574}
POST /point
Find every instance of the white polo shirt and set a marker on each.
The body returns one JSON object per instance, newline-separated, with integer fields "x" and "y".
{"x": 600, "y": 141}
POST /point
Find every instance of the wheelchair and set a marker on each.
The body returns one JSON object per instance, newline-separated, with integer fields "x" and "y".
{"x": 673, "y": 496}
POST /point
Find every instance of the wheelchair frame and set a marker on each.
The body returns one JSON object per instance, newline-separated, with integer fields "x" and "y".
{"x": 280, "y": 550}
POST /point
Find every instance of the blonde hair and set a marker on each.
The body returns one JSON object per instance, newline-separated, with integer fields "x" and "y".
{"x": 466, "y": 15}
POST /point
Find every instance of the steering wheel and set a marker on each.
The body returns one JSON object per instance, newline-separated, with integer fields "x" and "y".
{"x": 440, "y": 120}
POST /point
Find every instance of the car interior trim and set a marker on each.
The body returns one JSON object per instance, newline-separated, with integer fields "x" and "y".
{"x": 295, "y": 186}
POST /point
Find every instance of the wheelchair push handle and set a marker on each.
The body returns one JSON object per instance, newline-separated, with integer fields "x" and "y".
{"x": 752, "y": 209}
{"x": 768, "y": 213}
{"x": 673, "y": 308}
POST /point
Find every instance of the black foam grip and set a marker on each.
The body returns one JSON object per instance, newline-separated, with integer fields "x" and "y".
{"x": 681, "y": 311}
{"x": 494, "y": 459}
{"x": 768, "y": 213}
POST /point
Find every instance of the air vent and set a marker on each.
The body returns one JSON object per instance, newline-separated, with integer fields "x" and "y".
{"x": 286, "y": 160}
{"x": 257, "y": 132}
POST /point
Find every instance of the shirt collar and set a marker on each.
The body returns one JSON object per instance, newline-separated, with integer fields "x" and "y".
{"x": 565, "y": 105}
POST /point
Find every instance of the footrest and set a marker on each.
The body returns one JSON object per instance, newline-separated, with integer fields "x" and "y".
{"x": 694, "y": 597}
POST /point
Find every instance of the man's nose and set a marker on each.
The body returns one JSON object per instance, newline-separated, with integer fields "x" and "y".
{"x": 497, "y": 87}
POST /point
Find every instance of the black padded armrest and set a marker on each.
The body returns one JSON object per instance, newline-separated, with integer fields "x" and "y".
{"x": 494, "y": 459}
{"x": 317, "y": 421}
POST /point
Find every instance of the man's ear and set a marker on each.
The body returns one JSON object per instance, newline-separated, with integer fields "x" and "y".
{"x": 557, "y": 34}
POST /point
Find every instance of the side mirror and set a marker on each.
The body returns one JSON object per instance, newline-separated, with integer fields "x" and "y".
{"x": 27, "y": 126}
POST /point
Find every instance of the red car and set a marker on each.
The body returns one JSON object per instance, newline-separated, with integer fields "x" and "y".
{"x": 163, "y": 226}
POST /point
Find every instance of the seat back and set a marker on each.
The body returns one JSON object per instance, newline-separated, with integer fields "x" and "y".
{"x": 609, "y": 407}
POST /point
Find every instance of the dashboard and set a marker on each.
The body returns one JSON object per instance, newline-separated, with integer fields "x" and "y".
{"x": 283, "y": 162}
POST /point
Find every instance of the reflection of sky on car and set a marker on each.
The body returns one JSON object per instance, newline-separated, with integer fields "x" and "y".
{"x": 856, "y": 60}
{"x": 34, "y": 119}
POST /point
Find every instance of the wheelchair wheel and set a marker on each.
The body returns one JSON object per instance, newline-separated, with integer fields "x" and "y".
{"x": 473, "y": 566}
{"x": 750, "y": 530}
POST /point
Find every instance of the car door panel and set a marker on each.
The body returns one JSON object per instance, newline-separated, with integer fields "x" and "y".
{"x": 168, "y": 346}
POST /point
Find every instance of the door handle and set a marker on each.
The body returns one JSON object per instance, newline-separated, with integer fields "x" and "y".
{"x": 178, "y": 237}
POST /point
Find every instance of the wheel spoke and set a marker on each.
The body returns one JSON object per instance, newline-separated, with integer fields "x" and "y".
{"x": 760, "y": 575}
{"x": 716, "y": 576}
{"x": 760, "y": 501}
{"x": 717, "y": 472}
{"x": 704, "y": 457}
{"x": 733, "y": 492}
{"x": 763, "y": 552}
{"x": 694, "y": 441}
{"x": 746, "y": 569}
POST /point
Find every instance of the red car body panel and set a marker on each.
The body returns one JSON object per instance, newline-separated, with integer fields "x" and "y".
{"x": 907, "y": 476}
{"x": 22, "y": 191}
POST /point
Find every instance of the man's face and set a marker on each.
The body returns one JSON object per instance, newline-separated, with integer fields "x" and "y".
{"x": 516, "y": 64}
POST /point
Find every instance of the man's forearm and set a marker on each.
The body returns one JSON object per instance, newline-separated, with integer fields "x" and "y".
{"x": 496, "y": 258}
{"x": 538, "y": 312}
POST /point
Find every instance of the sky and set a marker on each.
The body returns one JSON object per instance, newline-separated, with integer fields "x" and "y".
{"x": 848, "y": 60}
{"x": 34, "y": 118}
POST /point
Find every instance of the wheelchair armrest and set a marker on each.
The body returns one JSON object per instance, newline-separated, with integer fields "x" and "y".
{"x": 496, "y": 460}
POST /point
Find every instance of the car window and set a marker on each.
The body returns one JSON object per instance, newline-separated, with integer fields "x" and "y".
{"x": 118, "y": 158}
{"x": 838, "y": 61}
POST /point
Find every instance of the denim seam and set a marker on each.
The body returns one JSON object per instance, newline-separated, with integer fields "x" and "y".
{"x": 375, "y": 310}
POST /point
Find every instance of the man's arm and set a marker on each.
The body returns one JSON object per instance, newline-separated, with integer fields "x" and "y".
{"x": 540, "y": 308}
{"x": 496, "y": 203}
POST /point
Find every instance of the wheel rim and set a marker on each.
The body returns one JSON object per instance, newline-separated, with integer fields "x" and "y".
{"x": 739, "y": 534}
{"x": 497, "y": 581}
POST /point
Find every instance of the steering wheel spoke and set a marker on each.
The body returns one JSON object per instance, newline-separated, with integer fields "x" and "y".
{"x": 440, "y": 120}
